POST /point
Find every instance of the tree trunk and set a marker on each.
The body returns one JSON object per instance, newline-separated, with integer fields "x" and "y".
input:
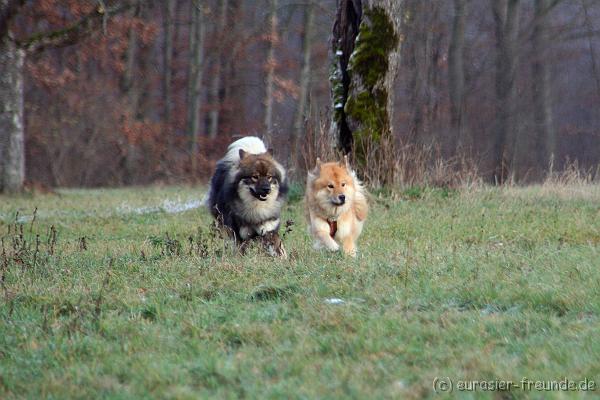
{"x": 366, "y": 42}
{"x": 146, "y": 67}
{"x": 591, "y": 39}
{"x": 270, "y": 70}
{"x": 422, "y": 52}
{"x": 456, "y": 72}
{"x": 215, "y": 86}
{"x": 168, "y": 27}
{"x": 127, "y": 81}
{"x": 345, "y": 31}
{"x": 196, "y": 70}
{"x": 506, "y": 18}
{"x": 307, "y": 39}
{"x": 542, "y": 104}
{"x": 12, "y": 57}
{"x": 12, "y": 137}
{"x": 129, "y": 88}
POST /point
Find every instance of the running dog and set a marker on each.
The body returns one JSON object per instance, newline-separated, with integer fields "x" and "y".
{"x": 248, "y": 190}
{"x": 337, "y": 206}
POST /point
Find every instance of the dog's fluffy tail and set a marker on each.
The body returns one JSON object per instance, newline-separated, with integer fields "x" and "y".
{"x": 361, "y": 205}
{"x": 250, "y": 144}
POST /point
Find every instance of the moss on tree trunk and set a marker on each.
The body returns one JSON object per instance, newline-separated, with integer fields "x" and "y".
{"x": 366, "y": 106}
{"x": 366, "y": 44}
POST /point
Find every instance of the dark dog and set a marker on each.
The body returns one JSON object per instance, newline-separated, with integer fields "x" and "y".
{"x": 247, "y": 190}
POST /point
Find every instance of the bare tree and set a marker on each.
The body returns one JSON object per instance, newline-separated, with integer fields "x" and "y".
{"x": 195, "y": 73}
{"x": 542, "y": 100}
{"x": 590, "y": 34}
{"x": 130, "y": 88}
{"x": 422, "y": 53}
{"x": 12, "y": 138}
{"x": 456, "y": 71}
{"x": 506, "y": 23}
{"x": 168, "y": 27}
{"x": 215, "y": 85}
{"x": 270, "y": 69}
{"x": 12, "y": 56}
{"x": 307, "y": 39}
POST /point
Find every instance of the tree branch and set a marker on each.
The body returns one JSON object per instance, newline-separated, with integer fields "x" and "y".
{"x": 74, "y": 32}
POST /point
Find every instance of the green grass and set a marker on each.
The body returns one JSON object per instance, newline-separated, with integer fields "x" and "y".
{"x": 479, "y": 284}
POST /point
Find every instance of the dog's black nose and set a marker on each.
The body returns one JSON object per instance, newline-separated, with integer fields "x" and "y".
{"x": 342, "y": 198}
{"x": 263, "y": 190}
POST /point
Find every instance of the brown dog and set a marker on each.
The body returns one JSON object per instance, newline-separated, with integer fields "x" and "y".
{"x": 337, "y": 206}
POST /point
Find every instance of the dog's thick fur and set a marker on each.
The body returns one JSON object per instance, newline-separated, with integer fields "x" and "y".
{"x": 247, "y": 190}
{"x": 337, "y": 206}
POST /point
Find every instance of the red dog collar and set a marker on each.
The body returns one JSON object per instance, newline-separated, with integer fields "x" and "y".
{"x": 332, "y": 227}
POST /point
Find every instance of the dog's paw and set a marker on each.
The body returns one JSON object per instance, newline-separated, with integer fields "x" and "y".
{"x": 246, "y": 232}
{"x": 350, "y": 250}
{"x": 276, "y": 252}
{"x": 267, "y": 227}
{"x": 333, "y": 246}
{"x": 273, "y": 245}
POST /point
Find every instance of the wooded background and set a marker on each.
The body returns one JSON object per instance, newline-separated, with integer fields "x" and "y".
{"x": 138, "y": 92}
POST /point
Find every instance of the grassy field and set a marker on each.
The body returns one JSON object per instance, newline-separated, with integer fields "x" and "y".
{"x": 128, "y": 293}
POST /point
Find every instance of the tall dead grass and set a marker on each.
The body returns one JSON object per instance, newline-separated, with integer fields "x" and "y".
{"x": 390, "y": 163}
{"x": 397, "y": 164}
{"x": 572, "y": 175}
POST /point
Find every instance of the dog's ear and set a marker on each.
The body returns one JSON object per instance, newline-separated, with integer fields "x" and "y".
{"x": 346, "y": 162}
{"x": 242, "y": 154}
{"x": 317, "y": 165}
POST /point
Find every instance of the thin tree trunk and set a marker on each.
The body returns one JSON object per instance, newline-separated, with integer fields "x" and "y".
{"x": 12, "y": 137}
{"x": 197, "y": 36}
{"x": 168, "y": 26}
{"x": 130, "y": 63}
{"x": 307, "y": 38}
{"x": 130, "y": 89}
{"x": 270, "y": 70}
{"x": 593, "y": 59}
{"x": 590, "y": 37}
{"x": 506, "y": 18}
{"x": 542, "y": 104}
{"x": 456, "y": 72}
{"x": 192, "y": 56}
{"x": 215, "y": 86}
{"x": 145, "y": 67}
{"x": 425, "y": 52}
{"x": 421, "y": 55}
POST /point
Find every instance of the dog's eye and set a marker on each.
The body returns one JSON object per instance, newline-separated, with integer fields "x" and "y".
{"x": 269, "y": 178}
{"x": 254, "y": 178}
{"x": 343, "y": 184}
{"x": 330, "y": 186}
